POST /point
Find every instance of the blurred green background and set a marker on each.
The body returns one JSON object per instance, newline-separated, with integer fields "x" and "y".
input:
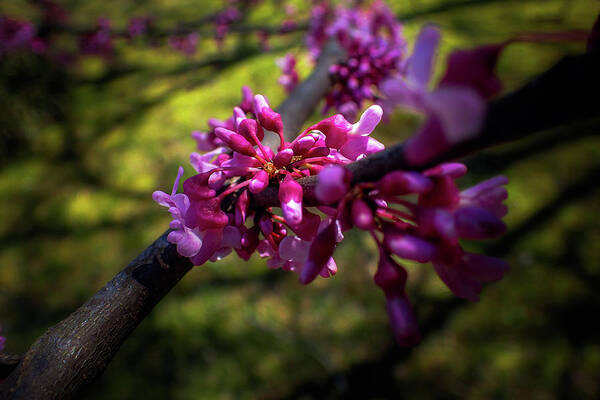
{"x": 82, "y": 149}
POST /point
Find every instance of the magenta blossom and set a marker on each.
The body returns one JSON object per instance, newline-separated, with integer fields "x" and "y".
{"x": 419, "y": 216}
{"x": 455, "y": 109}
{"x": 373, "y": 41}
{"x": 425, "y": 230}
{"x": 239, "y": 166}
{"x": 289, "y": 77}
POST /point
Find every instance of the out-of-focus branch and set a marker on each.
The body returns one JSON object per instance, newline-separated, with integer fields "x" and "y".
{"x": 74, "y": 352}
{"x": 561, "y": 96}
{"x": 295, "y": 107}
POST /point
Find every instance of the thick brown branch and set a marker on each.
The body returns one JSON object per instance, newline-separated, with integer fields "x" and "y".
{"x": 74, "y": 352}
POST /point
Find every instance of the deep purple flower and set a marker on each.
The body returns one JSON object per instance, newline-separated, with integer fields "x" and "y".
{"x": 464, "y": 272}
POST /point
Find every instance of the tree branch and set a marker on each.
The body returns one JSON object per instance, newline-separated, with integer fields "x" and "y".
{"x": 295, "y": 107}
{"x": 559, "y": 96}
{"x": 74, "y": 352}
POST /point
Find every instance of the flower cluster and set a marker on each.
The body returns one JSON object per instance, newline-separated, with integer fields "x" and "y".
{"x": 216, "y": 214}
{"x": 222, "y": 22}
{"x": 425, "y": 230}
{"x": 289, "y": 76}
{"x": 213, "y": 216}
{"x": 38, "y": 37}
{"x": 373, "y": 41}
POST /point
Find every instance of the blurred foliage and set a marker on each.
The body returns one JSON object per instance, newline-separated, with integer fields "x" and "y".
{"x": 81, "y": 150}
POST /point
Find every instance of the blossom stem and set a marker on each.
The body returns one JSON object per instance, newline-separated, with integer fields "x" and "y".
{"x": 233, "y": 189}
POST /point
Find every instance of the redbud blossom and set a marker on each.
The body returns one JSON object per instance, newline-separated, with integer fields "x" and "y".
{"x": 268, "y": 118}
{"x": 290, "y": 196}
{"x": 319, "y": 253}
{"x": 418, "y": 216}
{"x": 333, "y": 184}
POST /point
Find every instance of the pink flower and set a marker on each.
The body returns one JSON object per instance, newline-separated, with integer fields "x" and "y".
{"x": 268, "y": 118}
{"x": 418, "y": 216}
{"x": 289, "y": 76}
{"x": 187, "y": 241}
{"x": 488, "y": 195}
{"x": 290, "y": 196}
{"x": 391, "y": 278}
{"x": 455, "y": 109}
{"x": 319, "y": 253}
{"x": 333, "y": 184}
{"x": 373, "y": 41}
{"x": 464, "y": 272}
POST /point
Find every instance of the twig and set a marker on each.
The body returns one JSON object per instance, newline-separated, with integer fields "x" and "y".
{"x": 559, "y": 96}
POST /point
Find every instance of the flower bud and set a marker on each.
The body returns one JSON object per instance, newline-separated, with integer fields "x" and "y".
{"x": 408, "y": 246}
{"x": 283, "y": 157}
{"x": 290, "y": 196}
{"x": 404, "y": 182}
{"x": 333, "y": 184}
{"x": 403, "y": 321}
{"x": 258, "y": 182}
{"x": 362, "y": 215}
{"x": 390, "y": 276}
{"x": 251, "y": 130}
{"x": 268, "y": 118}
{"x": 266, "y": 225}
{"x": 237, "y": 142}
{"x": 335, "y": 129}
{"x": 303, "y": 145}
{"x": 321, "y": 249}
{"x": 368, "y": 121}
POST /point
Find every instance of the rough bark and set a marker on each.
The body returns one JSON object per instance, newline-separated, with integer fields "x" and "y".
{"x": 71, "y": 354}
